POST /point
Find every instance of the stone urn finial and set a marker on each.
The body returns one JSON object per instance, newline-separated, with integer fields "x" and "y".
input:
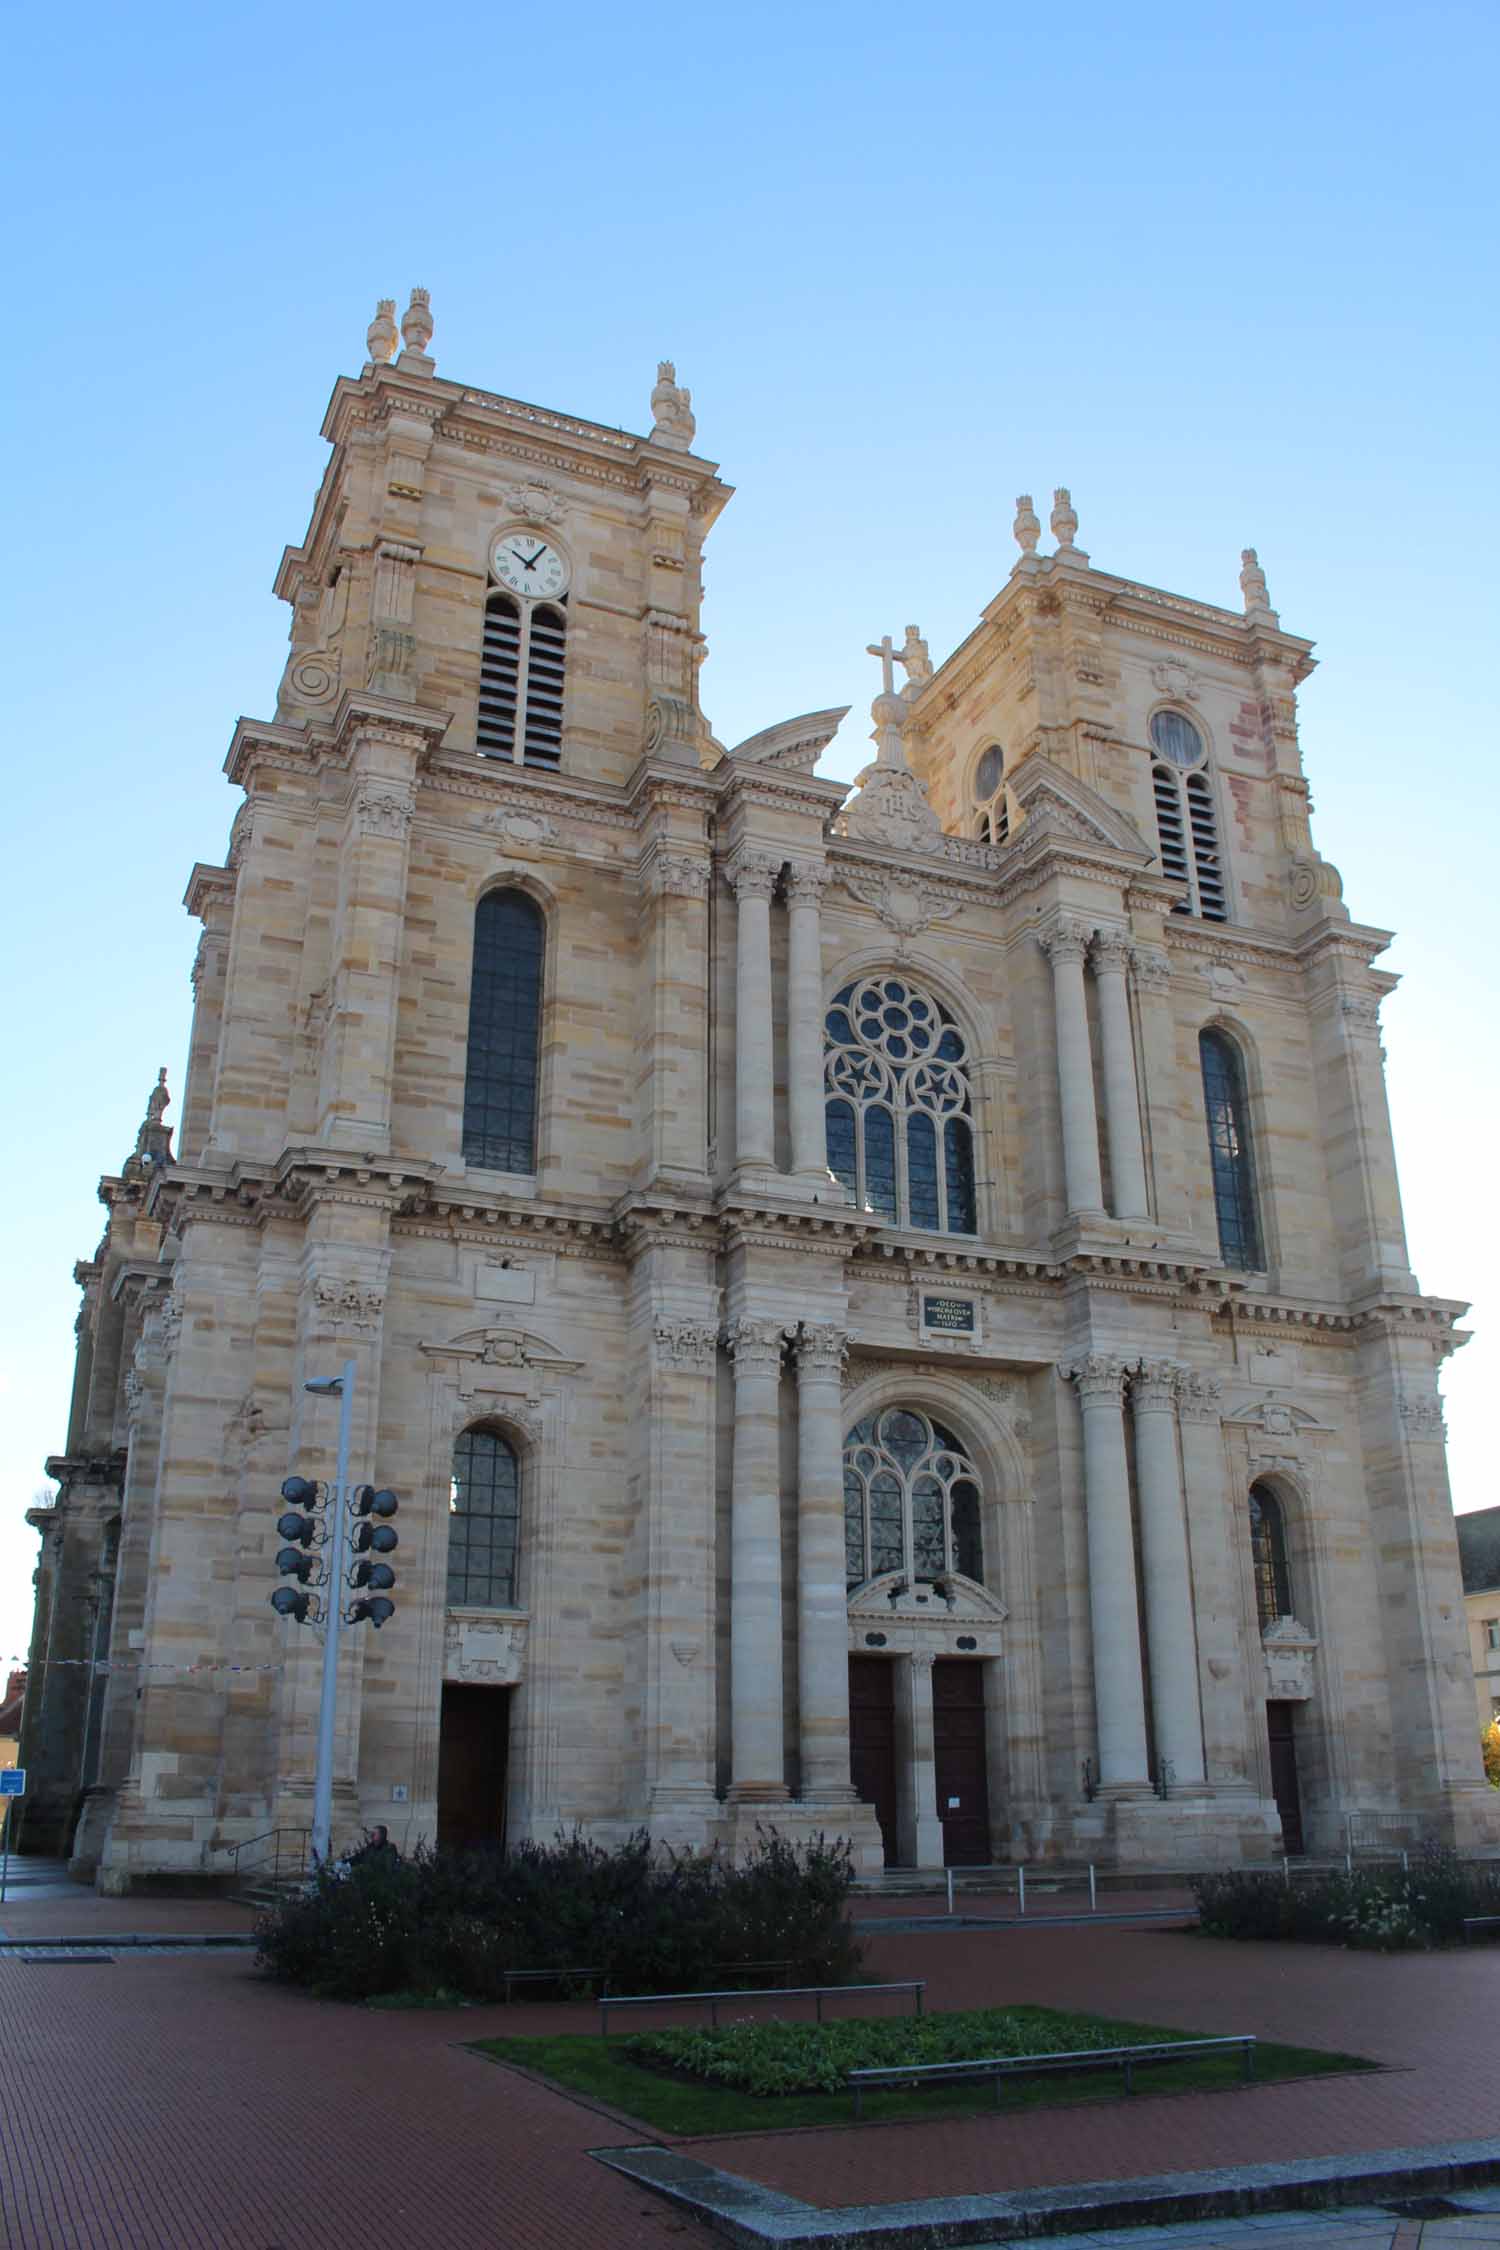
{"x": 1027, "y": 526}
{"x": 1064, "y": 517}
{"x": 380, "y": 336}
{"x": 416, "y": 322}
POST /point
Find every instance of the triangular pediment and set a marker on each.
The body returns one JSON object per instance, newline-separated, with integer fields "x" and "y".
{"x": 1054, "y": 802}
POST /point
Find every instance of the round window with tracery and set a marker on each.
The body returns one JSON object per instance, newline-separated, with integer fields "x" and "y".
{"x": 899, "y": 1107}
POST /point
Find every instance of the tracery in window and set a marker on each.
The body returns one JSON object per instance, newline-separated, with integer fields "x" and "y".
{"x": 992, "y": 816}
{"x": 1273, "y": 1585}
{"x": 521, "y": 680}
{"x": 1230, "y": 1153}
{"x": 1186, "y": 823}
{"x": 484, "y": 1522}
{"x": 911, "y": 1500}
{"x": 505, "y": 1009}
{"x": 899, "y": 1108}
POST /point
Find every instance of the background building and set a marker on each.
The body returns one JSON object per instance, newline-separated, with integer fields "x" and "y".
{"x": 888, "y": 1316}
{"x": 1479, "y": 1560}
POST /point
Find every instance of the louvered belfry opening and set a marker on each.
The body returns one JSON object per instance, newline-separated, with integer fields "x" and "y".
{"x": 542, "y": 741}
{"x": 521, "y": 670}
{"x": 499, "y": 678}
{"x": 1187, "y": 824}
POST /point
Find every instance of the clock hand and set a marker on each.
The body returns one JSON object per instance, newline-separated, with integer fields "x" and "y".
{"x": 536, "y": 558}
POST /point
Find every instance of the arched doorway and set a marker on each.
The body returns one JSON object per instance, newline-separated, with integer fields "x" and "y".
{"x": 924, "y": 1638}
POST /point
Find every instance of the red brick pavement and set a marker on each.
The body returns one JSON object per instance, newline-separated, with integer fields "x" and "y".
{"x": 178, "y": 2102}
{"x": 1432, "y": 2017}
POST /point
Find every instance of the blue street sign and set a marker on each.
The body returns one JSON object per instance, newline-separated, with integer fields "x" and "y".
{"x": 12, "y": 1781}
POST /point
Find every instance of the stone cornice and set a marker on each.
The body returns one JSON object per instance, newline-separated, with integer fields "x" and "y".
{"x": 1351, "y": 941}
{"x": 207, "y": 886}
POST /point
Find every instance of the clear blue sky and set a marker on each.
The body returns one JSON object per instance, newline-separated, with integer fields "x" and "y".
{"x": 1227, "y": 274}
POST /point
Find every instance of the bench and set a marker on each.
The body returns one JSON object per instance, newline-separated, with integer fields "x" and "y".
{"x": 511, "y": 1977}
{"x": 1001, "y": 2067}
{"x": 711, "y": 2000}
{"x": 1474, "y": 1922}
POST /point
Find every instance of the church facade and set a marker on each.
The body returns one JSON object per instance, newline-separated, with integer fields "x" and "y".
{"x": 886, "y": 1312}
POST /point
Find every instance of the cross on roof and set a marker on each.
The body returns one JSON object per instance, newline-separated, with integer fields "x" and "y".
{"x": 885, "y": 649}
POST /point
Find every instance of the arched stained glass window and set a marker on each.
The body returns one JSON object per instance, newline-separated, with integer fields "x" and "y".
{"x": 484, "y": 1522}
{"x": 1187, "y": 825}
{"x": 899, "y": 1110}
{"x": 1230, "y": 1153}
{"x": 911, "y": 1500}
{"x": 1273, "y": 1585}
{"x": 505, "y": 1013}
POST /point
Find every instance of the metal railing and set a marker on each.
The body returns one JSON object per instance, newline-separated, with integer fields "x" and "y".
{"x": 283, "y": 1854}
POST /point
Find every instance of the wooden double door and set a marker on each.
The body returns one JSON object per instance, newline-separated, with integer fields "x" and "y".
{"x": 959, "y": 1753}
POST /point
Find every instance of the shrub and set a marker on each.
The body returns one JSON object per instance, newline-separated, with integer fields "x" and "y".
{"x": 1386, "y": 1909}
{"x": 644, "y": 1916}
{"x": 1489, "y": 1743}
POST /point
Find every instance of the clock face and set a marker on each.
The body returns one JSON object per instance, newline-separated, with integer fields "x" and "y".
{"x": 523, "y": 561}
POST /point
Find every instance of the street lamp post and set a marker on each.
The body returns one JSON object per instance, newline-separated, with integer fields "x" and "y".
{"x": 340, "y": 1386}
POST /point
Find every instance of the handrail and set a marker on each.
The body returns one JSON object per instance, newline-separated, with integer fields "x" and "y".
{"x": 271, "y": 1836}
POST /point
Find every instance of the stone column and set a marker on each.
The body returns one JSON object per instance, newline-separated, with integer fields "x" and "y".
{"x": 1170, "y": 1630}
{"x": 1153, "y": 996}
{"x": 805, "y": 888}
{"x": 757, "y": 1771}
{"x": 753, "y": 877}
{"x": 677, "y": 1440}
{"x": 1065, "y": 945}
{"x": 1119, "y": 1699}
{"x": 1122, "y": 1108}
{"x": 674, "y": 1094}
{"x": 822, "y": 1606}
{"x": 1232, "y": 1679}
{"x": 919, "y": 1832}
{"x": 360, "y": 1034}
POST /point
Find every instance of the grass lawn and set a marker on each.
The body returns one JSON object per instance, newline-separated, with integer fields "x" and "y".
{"x": 604, "y": 2070}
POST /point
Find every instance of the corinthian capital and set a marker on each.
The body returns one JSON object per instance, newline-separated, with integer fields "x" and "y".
{"x": 822, "y": 1350}
{"x": 755, "y": 1346}
{"x": 1111, "y": 951}
{"x": 1197, "y": 1395}
{"x": 686, "y": 1343}
{"x": 1153, "y": 968}
{"x": 675, "y": 874}
{"x": 1100, "y": 1377}
{"x": 806, "y": 884}
{"x": 1153, "y": 1386}
{"x": 753, "y": 875}
{"x": 1066, "y": 940}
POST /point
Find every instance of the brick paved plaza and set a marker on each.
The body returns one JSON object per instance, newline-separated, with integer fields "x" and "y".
{"x": 176, "y": 2100}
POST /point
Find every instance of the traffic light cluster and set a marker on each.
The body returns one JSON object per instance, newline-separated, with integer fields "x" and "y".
{"x": 305, "y": 1531}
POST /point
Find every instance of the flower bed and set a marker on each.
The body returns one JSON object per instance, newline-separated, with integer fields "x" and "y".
{"x": 801, "y": 2058}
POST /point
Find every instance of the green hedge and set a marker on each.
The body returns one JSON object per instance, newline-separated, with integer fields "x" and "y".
{"x": 648, "y": 1918}
{"x": 1383, "y": 1909}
